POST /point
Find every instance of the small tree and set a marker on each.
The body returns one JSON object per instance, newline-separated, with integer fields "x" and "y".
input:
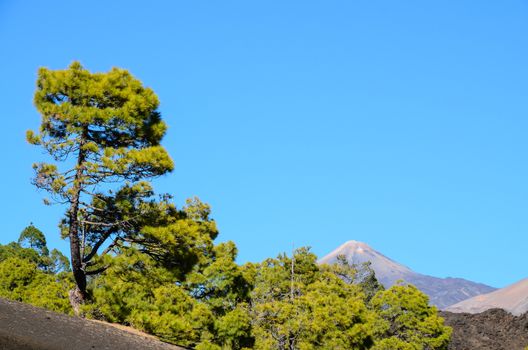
{"x": 32, "y": 237}
{"x": 407, "y": 321}
{"x": 105, "y": 131}
{"x": 32, "y": 242}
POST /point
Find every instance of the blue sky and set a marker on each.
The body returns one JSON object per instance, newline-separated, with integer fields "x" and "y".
{"x": 398, "y": 123}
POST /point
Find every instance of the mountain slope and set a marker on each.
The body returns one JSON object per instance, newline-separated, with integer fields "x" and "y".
{"x": 513, "y": 298}
{"x": 442, "y": 292}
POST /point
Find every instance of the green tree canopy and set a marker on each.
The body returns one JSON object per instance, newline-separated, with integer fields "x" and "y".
{"x": 29, "y": 273}
{"x": 31, "y": 246}
{"x": 22, "y": 280}
{"x": 32, "y": 237}
{"x": 175, "y": 283}
{"x": 298, "y": 305}
{"x": 406, "y": 321}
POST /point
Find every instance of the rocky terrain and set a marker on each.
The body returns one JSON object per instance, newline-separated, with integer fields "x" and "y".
{"x": 25, "y": 327}
{"x": 513, "y": 298}
{"x": 442, "y": 292}
{"x": 494, "y": 329}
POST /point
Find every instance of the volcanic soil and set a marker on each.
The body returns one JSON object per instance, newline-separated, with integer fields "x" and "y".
{"x": 25, "y": 327}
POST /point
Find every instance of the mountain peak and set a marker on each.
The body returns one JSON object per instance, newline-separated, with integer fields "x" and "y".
{"x": 357, "y": 252}
{"x": 442, "y": 292}
{"x": 355, "y": 244}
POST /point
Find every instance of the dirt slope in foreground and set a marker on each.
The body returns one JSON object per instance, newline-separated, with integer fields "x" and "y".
{"x": 25, "y": 327}
{"x": 493, "y": 329}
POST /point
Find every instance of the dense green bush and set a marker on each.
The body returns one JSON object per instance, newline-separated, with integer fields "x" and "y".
{"x": 33, "y": 275}
{"x": 216, "y": 304}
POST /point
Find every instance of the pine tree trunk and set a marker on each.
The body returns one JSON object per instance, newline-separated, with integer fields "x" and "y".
{"x": 79, "y": 294}
{"x": 76, "y": 301}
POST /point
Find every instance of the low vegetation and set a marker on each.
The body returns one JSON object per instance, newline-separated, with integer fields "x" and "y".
{"x": 281, "y": 303}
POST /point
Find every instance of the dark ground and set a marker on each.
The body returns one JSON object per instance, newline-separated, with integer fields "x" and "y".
{"x": 25, "y": 327}
{"x": 494, "y": 329}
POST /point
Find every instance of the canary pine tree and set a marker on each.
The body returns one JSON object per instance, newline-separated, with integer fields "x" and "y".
{"x": 103, "y": 133}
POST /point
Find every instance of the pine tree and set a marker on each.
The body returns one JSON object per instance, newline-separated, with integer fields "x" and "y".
{"x": 32, "y": 237}
{"x": 104, "y": 131}
{"x": 406, "y": 321}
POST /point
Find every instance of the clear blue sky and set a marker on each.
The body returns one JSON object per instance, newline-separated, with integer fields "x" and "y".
{"x": 402, "y": 124}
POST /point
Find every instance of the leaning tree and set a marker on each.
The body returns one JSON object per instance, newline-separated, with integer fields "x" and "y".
{"x": 103, "y": 133}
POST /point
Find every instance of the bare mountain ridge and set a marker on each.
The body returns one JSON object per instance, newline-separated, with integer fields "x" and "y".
{"x": 442, "y": 292}
{"x": 513, "y": 298}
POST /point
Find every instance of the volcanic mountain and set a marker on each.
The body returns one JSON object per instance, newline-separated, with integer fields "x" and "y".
{"x": 513, "y": 299}
{"x": 442, "y": 292}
